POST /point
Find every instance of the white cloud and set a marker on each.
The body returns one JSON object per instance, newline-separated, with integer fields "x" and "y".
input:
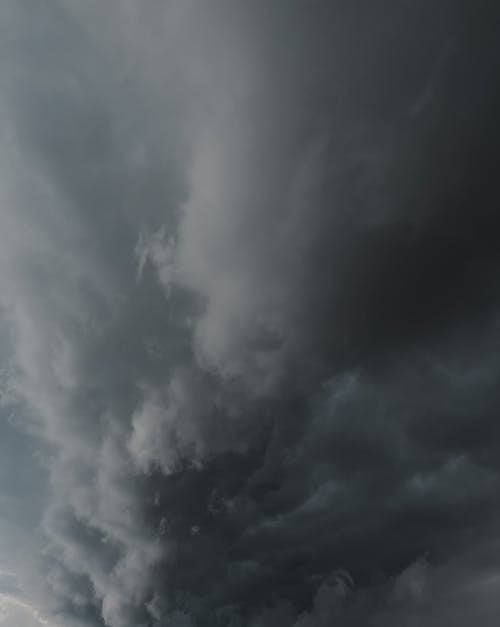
{"x": 17, "y": 613}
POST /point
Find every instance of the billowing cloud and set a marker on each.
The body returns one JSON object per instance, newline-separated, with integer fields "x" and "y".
{"x": 248, "y": 287}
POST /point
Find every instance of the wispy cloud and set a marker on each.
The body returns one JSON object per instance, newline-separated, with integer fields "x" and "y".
{"x": 249, "y": 313}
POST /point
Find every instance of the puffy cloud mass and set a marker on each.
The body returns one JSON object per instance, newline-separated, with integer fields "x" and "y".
{"x": 250, "y": 312}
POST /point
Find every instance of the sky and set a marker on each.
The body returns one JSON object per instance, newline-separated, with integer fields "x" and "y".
{"x": 249, "y": 313}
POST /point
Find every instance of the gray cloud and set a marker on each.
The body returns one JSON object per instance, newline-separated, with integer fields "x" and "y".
{"x": 248, "y": 277}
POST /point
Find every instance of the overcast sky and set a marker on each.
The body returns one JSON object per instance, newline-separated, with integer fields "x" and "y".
{"x": 249, "y": 313}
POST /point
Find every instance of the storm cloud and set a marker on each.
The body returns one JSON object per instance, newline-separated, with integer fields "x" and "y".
{"x": 249, "y": 257}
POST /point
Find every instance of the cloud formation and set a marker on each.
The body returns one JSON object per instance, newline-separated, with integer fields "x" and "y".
{"x": 248, "y": 281}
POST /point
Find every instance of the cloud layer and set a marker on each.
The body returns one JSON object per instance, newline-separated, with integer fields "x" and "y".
{"x": 249, "y": 258}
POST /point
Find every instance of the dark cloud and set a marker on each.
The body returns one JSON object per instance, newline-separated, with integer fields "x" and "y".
{"x": 248, "y": 269}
